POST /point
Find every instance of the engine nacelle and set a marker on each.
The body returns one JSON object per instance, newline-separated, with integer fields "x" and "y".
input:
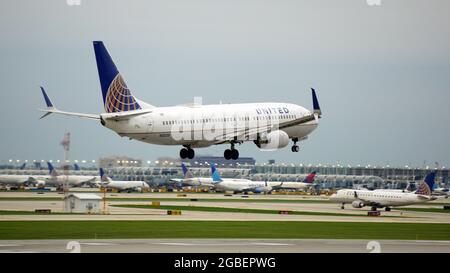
{"x": 40, "y": 184}
{"x": 357, "y": 204}
{"x": 274, "y": 140}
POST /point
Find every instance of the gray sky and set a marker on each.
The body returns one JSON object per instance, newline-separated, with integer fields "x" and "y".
{"x": 382, "y": 73}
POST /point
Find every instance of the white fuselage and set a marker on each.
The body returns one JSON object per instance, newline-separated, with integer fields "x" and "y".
{"x": 239, "y": 185}
{"x": 71, "y": 180}
{"x": 383, "y": 198}
{"x": 195, "y": 181}
{"x": 205, "y": 125}
{"x": 126, "y": 185}
{"x": 14, "y": 179}
{"x": 293, "y": 185}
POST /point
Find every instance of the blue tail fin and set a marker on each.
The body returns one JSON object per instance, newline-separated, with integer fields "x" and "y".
{"x": 23, "y": 166}
{"x": 103, "y": 176}
{"x": 426, "y": 187}
{"x": 186, "y": 172}
{"x": 116, "y": 95}
{"x": 51, "y": 170}
{"x": 215, "y": 174}
{"x": 76, "y": 167}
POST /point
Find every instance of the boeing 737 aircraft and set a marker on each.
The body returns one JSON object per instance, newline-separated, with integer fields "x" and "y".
{"x": 128, "y": 186}
{"x": 386, "y": 198}
{"x": 269, "y": 125}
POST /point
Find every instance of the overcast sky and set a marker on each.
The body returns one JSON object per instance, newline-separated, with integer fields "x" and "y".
{"x": 382, "y": 74}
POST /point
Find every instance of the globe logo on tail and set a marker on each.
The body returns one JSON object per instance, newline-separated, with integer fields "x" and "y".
{"x": 119, "y": 98}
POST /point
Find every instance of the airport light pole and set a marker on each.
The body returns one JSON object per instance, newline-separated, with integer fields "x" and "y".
{"x": 66, "y": 145}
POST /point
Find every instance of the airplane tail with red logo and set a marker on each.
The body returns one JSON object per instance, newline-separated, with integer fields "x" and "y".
{"x": 310, "y": 177}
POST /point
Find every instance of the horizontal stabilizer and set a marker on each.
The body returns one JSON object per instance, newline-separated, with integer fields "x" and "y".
{"x": 51, "y": 109}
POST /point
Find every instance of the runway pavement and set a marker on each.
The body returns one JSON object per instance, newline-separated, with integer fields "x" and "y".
{"x": 225, "y": 245}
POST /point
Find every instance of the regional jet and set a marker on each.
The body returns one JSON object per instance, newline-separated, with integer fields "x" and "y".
{"x": 386, "y": 198}
{"x": 269, "y": 125}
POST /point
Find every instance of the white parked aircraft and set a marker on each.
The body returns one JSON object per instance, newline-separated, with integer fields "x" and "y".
{"x": 189, "y": 179}
{"x": 128, "y": 186}
{"x": 16, "y": 179}
{"x": 269, "y": 125}
{"x": 58, "y": 180}
{"x": 386, "y": 198}
{"x": 237, "y": 185}
{"x": 306, "y": 183}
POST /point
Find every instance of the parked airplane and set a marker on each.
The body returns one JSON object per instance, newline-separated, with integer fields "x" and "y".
{"x": 72, "y": 180}
{"x": 127, "y": 186}
{"x": 306, "y": 183}
{"x": 238, "y": 185}
{"x": 269, "y": 125}
{"x": 16, "y": 179}
{"x": 386, "y": 198}
{"x": 189, "y": 179}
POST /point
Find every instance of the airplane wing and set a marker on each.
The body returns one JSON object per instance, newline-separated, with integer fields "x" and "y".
{"x": 367, "y": 202}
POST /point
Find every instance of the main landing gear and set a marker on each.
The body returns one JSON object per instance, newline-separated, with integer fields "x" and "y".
{"x": 295, "y": 148}
{"x": 231, "y": 153}
{"x": 187, "y": 153}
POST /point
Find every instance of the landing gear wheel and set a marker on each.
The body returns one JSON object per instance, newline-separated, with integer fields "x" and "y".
{"x": 295, "y": 147}
{"x": 234, "y": 154}
{"x": 342, "y": 207}
{"x": 190, "y": 153}
{"x": 184, "y": 153}
{"x": 387, "y": 209}
{"x": 227, "y": 154}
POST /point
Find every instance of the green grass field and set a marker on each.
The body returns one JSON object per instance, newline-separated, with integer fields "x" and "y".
{"x": 10, "y": 230}
{"x": 236, "y": 210}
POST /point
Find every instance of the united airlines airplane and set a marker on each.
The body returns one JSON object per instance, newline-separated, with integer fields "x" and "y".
{"x": 386, "y": 198}
{"x": 269, "y": 125}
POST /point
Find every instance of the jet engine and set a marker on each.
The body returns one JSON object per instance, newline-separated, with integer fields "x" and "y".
{"x": 40, "y": 184}
{"x": 274, "y": 140}
{"x": 357, "y": 204}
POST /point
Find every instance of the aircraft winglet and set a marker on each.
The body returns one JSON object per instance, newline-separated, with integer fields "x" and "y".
{"x": 48, "y": 102}
{"x": 316, "y": 105}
